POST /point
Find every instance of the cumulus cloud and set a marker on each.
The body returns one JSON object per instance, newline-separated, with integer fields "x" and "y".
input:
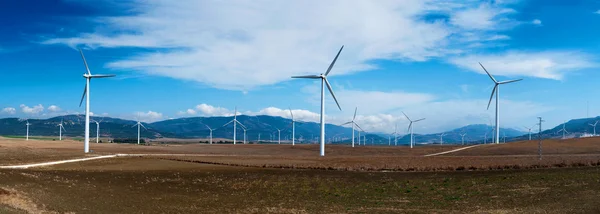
{"x": 187, "y": 112}
{"x": 149, "y": 116}
{"x": 54, "y": 108}
{"x": 241, "y": 45}
{"x": 536, "y": 22}
{"x": 9, "y": 110}
{"x": 597, "y": 12}
{"x": 32, "y": 110}
{"x": 208, "y": 110}
{"x": 549, "y": 65}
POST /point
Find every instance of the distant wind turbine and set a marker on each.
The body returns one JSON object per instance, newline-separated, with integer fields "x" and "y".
{"x": 98, "y": 129}
{"x": 496, "y": 91}
{"x": 235, "y": 122}
{"x": 410, "y": 128}
{"x": 442, "y": 138}
{"x": 353, "y": 123}
{"x": 563, "y": 130}
{"x": 293, "y": 128}
{"x": 529, "y": 131}
{"x": 139, "y": 124}
{"x": 27, "y": 124}
{"x": 86, "y": 94}
{"x": 211, "y": 131}
{"x": 594, "y": 125}
{"x": 60, "y": 130}
{"x": 279, "y": 136}
{"x": 462, "y": 136}
{"x": 323, "y": 78}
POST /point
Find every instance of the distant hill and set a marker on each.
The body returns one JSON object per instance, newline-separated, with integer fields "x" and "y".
{"x": 474, "y": 133}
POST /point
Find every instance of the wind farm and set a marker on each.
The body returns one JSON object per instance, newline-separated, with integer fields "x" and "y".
{"x": 213, "y": 107}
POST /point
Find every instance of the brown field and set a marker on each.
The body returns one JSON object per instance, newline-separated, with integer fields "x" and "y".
{"x": 249, "y": 179}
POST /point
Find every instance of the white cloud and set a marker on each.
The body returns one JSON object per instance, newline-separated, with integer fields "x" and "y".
{"x": 242, "y": 44}
{"x": 32, "y": 110}
{"x": 536, "y": 22}
{"x": 549, "y": 65}
{"x": 484, "y": 17}
{"x": 149, "y": 116}
{"x": 9, "y": 110}
{"x": 53, "y": 108}
{"x": 597, "y": 12}
{"x": 208, "y": 110}
{"x": 187, "y": 112}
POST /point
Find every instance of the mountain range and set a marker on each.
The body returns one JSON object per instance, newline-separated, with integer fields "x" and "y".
{"x": 265, "y": 128}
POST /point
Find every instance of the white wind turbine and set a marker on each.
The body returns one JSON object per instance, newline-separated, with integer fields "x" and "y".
{"x": 442, "y": 138}
{"x": 211, "y": 131}
{"x": 235, "y": 122}
{"x": 61, "y": 127}
{"x": 139, "y": 124}
{"x": 293, "y": 129}
{"x": 323, "y": 78}
{"x": 529, "y": 131}
{"x": 410, "y": 128}
{"x": 496, "y": 91}
{"x": 563, "y": 130}
{"x": 86, "y": 94}
{"x": 594, "y": 125}
{"x": 279, "y": 136}
{"x": 462, "y": 136}
{"x": 353, "y": 123}
{"x": 27, "y": 124}
{"x": 98, "y": 129}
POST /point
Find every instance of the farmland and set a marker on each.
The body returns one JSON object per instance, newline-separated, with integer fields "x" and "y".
{"x": 285, "y": 179}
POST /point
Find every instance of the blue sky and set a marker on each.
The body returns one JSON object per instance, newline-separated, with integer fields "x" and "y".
{"x": 202, "y": 58}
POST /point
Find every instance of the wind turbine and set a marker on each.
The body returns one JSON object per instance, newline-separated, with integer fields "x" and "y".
{"x": 496, "y": 91}
{"x": 529, "y": 131}
{"x": 138, "y": 124}
{"x": 410, "y": 128}
{"x": 235, "y": 122}
{"x": 211, "y": 130}
{"x": 442, "y": 138}
{"x": 354, "y": 124}
{"x": 98, "y": 129}
{"x": 563, "y": 130}
{"x": 594, "y": 125}
{"x": 462, "y": 136}
{"x": 396, "y": 135}
{"x": 293, "y": 128}
{"x": 279, "y": 134}
{"x": 27, "y": 124}
{"x": 86, "y": 94}
{"x": 324, "y": 82}
{"x": 60, "y": 129}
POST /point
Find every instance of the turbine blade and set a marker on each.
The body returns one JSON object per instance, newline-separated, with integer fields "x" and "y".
{"x": 492, "y": 96}
{"x": 419, "y": 120}
{"x": 143, "y": 126}
{"x": 509, "y": 81}
{"x": 409, "y": 126}
{"x": 346, "y": 123}
{"x": 83, "y": 96}
{"x": 292, "y": 113}
{"x": 228, "y": 123}
{"x": 488, "y": 73}
{"x": 355, "y": 109}
{"x": 308, "y": 77}
{"x": 333, "y": 62}
{"x": 238, "y": 122}
{"x": 85, "y": 62}
{"x": 208, "y": 127}
{"x": 407, "y": 117}
{"x": 332, "y": 94}
{"x": 359, "y": 127}
{"x": 103, "y": 75}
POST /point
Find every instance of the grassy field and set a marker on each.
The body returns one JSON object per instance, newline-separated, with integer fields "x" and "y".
{"x": 250, "y": 179}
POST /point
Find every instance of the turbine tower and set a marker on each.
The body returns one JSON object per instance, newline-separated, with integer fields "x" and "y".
{"x": 279, "y": 136}
{"x": 442, "y": 138}
{"x": 60, "y": 129}
{"x": 138, "y": 124}
{"x": 410, "y": 129}
{"x": 462, "y": 136}
{"x": 323, "y": 78}
{"x": 353, "y": 124}
{"x": 496, "y": 91}
{"x": 395, "y": 135}
{"x": 211, "y": 130}
{"x": 27, "y": 124}
{"x": 98, "y": 129}
{"x": 235, "y": 122}
{"x": 594, "y": 125}
{"x": 86, "y": 95}
{"x": 529, "y": 131}
{"x": 293, "y": 129}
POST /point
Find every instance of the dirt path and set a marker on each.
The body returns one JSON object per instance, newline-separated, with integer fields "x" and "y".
{"x": 451, "y": 151}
